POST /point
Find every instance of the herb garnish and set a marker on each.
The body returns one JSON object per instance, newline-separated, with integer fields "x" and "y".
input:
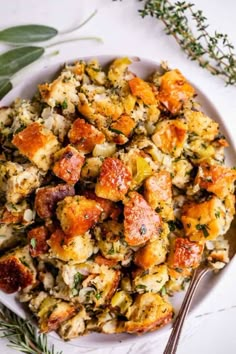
{"x": 204, "y": 228}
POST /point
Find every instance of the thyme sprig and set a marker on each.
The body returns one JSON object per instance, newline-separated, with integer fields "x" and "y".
{"x": 22, "y": 335}
{"x": 190, "y": 29}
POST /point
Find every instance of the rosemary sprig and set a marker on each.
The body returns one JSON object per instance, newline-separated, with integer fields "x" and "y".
{"x": 190, "y": 29}
{"x": 22, "y": 335}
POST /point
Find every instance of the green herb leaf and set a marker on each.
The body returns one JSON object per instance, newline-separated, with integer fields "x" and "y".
{"x": 5, "y": 87}
{"x": 204, "y": 228}
{"x": 78, "y": 277}
{"x": 33, "y": 243}
{"x": 27, "y": 34}
{"x": 16, "y": 59}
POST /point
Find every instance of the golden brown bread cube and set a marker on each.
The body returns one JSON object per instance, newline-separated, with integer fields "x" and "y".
{"x": 38, "y": 144}
{"x": 78, "y": 214}
{"x": 174, "y": 90}
{"x": 149, "y": 312}
{"x": 143, "y": 90}
{"x": 170, "y": 136}
{"x": 85, "y": 136}
{"x": 141, "y": 222}
{"x": 151, "y": 254}
{"x": 17, "y": 270}
{"x": 37, "y": 239}
{"x": 184, "y": 253}
{"x": 124, "y": 124}
{"x": 77, "y": 249}
{"x": 204, "y": 221}
{"x": 114, "y": 180}
{"x": 68, "y": 164}
{"x": 151, "y": 280}
{"x": 158, "y": 193}
{"x": 46, "y": 198}
{"x": 201, "y": 125}
{"x": 216, "y": 179}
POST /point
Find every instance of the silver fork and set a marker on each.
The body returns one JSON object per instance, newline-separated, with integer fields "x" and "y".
{"x": 172, "y": 343}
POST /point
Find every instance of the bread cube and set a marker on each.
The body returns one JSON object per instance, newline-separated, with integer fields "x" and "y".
{"x": 185, "y": 254}
{"x": 38, "y": 144}
{"x": 153, "y": 253}
{"x": 37, "y": 239}
{"x": 124, "y": 124}
{"x": 170, "y": 136}
{"x": 204, "y": 221}
{"x": 114, "y": 180}
{"x": 174, "y": 91}
{"x": 151, "y": 280}
{"x": 85, "y": 136}
{"x": 216, "y": 179}
{"x": 75, "y": 326}
{"x": 142, "y": 90}
{"x": 46, "y": 199}
{"x": 78, "y": 214}
{"x": 141, "y": 222}
{"x": 68, "y": 164}
{"x": 149, "y": 312}
{"x": 17, "y": 270}
{"x": 201, "y": 125}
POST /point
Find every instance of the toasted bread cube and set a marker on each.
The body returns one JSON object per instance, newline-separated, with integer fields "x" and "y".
{"x": 151, "y": 280}
{"x": 46, "y": 198}
{"x": 201, "y": 125}
{"x": 75, "y": 326}
{"x": 143, "y": 90}
{"x": 153, "y": 253}
{"x": 100, "y": 260}
{"x": 178, "y": 278}
{"x": 216, "y": 179}
{"x": 9, "y": 237}
{"x": 174, "y": 90}
{"x": 114, "y": 180}
{"x": 17, "y": 270}
{"x": 184, "y": 253}
{"x": 109, "y": 208}
{"x": 68, "y": 164}
{"x": 22, "y": 183}
{"x": 125, "y": 125}
{"x": 38, "y": 144}
{"x": 149, "y": 312}
{"x": 85, "y": 136}
{"x": 105, "y": 280}
{"x": 53, "y": 312}
{"x": 77, "y": 249}
{"x": 170, "y": 136}
{"x": 141, "y": 222}
{"x": 78, "y": 214}
{"x": 204, "y": 221}
{"x": 158, "y": 193}
{"x": 37, "y": 239}
{"x": 117, "y": 70}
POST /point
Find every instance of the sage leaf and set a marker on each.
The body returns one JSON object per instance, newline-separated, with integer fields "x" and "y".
{"x": 27, "y": 34}
{"x": 5, "y": 87}
{"x": 16, "y": 59}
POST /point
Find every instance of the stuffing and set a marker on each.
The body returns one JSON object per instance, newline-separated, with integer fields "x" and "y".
{"x": 122, "y": 300}
{"x": 184, "y": 253}
{"x": 174, "y": 91}
{"x": 158, "y": 193}
{"x": 114, "y": 180}
{"x": 38, "y": 144}
{"x": 17, "y": 213}
{"x": 37, "y": 239}
{"x": 181, "y": 171}
{"x": 204, "y": 221}
{"x": 68, "y": 164}
{"x": 150, "y": 280}
{"x": 76, "y": 250}
{"x": 201, "y": 125}
{"x": 17, "y": 270}
{"x": 78, "y": 214}
{"x": 85, "y": 136}
{"x": 149, "y": 312}
{"x": 9, "y": 236}
{"x": 123, "y": 125}
{"x": 141, "y": 222}
{"x": 216, "y": 179}
{"x": 95, "y": 73}
{"x": 91, "y": 167}
{"x": 46, "y": 198}
{"x": 55, "y": 122}
{"x": 117, "y": 71}
{"x": 75, "y": 326}
{"x": 142, "y": 90}
{"x": 5, "y": 117}
{"x": 170, "y": 136}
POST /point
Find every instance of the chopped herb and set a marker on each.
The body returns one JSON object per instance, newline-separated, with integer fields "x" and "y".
{"x": 78, "y": 277}
{"x": 179, "y": 270}
{"x": 64, "y": 104}
{"x": 98, "y": 295}
{"x": 217, "y": 214}
{"x": 111, "y": 250}
{"x": 24, "y": 262}
{"x": 33, "y": 243}
{"x": 116, "y": 131}
{"x": 163, "y": 291}
{"x": 204, "y": 228}
{"x": 141, "y": 286}
{"x": 143, "y": 229}
{"x": 173, "y": 224}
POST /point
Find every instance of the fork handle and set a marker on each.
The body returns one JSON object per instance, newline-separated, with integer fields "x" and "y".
{"x": 172, "y": 343}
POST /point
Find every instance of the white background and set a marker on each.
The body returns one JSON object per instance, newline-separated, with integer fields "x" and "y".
{"x": 212, "y": 329}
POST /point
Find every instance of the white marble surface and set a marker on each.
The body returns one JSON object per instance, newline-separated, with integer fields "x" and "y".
{"x": 211, "y": 330}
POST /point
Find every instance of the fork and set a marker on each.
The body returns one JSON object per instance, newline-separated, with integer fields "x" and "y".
{"x": 173, "y": 341}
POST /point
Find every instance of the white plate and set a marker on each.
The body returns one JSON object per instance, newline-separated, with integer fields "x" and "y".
{"x": 143, "y": 68}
